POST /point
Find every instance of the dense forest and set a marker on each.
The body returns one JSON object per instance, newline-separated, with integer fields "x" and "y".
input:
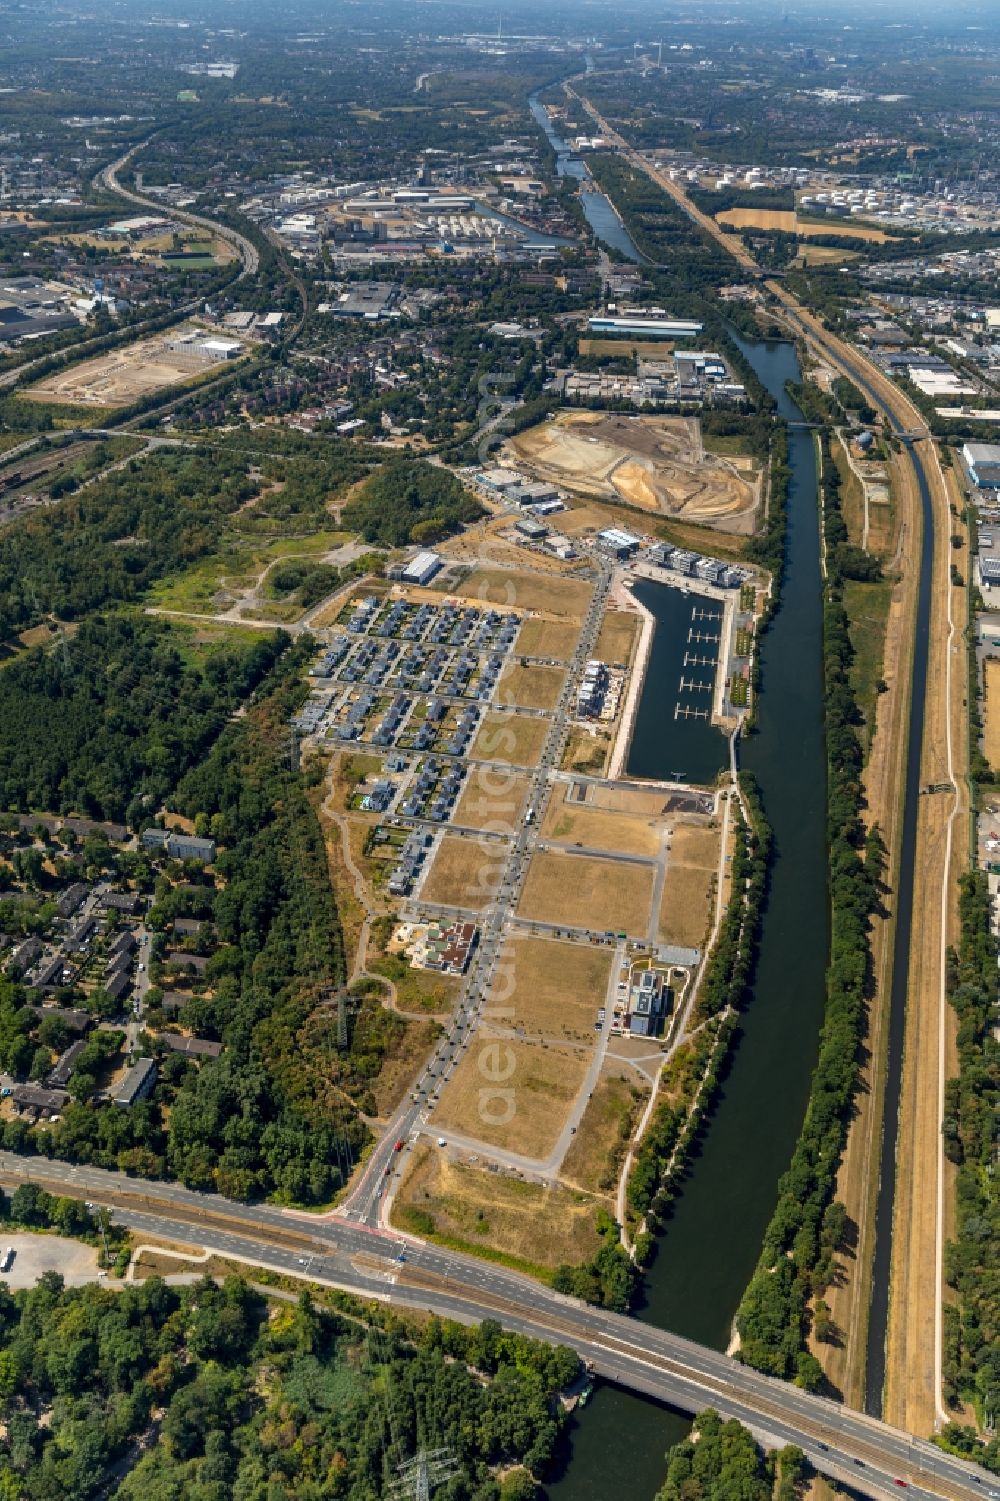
{"x": 279, "y": 1112}
{"x": 106, "y": 723}
{"x": 409, "y": 500}
{"x": 108, "y": 542}
{"x": 215, "y": 1393}
{"x": 722, "y": 1461}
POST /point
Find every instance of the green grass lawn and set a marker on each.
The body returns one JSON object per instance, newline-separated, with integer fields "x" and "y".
{"x": 235, "y": 568}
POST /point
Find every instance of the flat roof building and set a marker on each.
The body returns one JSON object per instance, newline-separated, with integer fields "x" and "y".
{"x": 645, "y": 327}
{"x": 983, "y": 461}
{"x": 622, "y": 544}
{"x": 422, "y": 568}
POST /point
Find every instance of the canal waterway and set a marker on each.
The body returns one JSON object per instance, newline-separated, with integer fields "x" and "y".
{"x": 598, "y": 209}
{"x": 707, "y": 1254}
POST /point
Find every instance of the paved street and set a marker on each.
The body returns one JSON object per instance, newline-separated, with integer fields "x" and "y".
{"x": 375, "y": 1263}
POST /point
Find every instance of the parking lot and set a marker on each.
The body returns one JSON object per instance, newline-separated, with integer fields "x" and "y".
{"x": 35, "y": 1254}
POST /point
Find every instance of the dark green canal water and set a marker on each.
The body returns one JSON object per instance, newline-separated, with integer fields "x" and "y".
{"x": 707, "y": 1254}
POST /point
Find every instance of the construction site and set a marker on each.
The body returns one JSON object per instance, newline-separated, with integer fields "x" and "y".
{"x": 658, "y": 464}
{"x": 122, "y": 376}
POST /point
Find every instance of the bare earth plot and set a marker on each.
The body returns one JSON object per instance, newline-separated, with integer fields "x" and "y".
{"x": 121, "y": 376}
{"x": 598, "y": 828}
{"x": 538, "y": 1225}
{"x": 530, "y": 687}
{"x": 686, "y": 908}
{"x": 464, "y": 873}
{"x": 548, "y": 988}
{"x": 512, "y": 1095}
{"x": 503, "y": 588}
{"x": 493, "y": 799}
{"x": 587, "y": 892}
{"x": 514, "y": 739}
{"x": 617, "y": 637}
{"x": 655, "y": 463}
{"x": 623, "y": 798}
{"x": 788, "y": 222}
{"x": 546, "y": 638}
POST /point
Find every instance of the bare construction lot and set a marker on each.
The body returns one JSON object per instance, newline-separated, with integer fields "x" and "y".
{"x": 686, "y": 908}
{"x": 584, "y": 891}
{"x": 122, "y": 376}
{"x": 656, "y": 463}
{"x": 523, "y": 1114}
{"x": 464, "y": 873}
{"x": 545, "y": 987}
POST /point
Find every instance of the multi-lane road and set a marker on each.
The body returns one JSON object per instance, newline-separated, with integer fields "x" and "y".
{"x": 876, "y": 1460}
{"x": 245, "y": 249}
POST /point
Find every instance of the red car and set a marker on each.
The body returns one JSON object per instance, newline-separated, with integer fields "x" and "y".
{"x": 904, "y": 1483}
{"x": 399, "y": 1146}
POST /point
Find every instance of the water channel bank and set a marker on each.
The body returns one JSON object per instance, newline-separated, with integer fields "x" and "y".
{"x": 710, "y": 1248}
{"x": 599, "y": 212}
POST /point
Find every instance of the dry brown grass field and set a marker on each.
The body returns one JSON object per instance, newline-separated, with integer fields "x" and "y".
{"x": 546, "y": 638}
{"x": 541, "y": 1226}
{"x": 493, "y": 799}
{"x": 513, "y": 739}
{"x": 686, "y": 908}
{"x": 550, "y": 988}
{"x": 594, "y": 1159}
{"x": 587, "y": 892}
{"x": 530, "y": 687}
{"x": 544, "y": 1078}
{"x": 464, "y": 873}
{"x": 617, "y": 637}
{"x": 600, "y": 828}
{"x": 503, "y": 588}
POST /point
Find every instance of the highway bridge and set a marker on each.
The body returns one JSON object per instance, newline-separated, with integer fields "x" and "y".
{"x": 874, "y": 1459}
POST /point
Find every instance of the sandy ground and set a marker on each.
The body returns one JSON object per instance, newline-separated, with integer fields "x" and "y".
{"x": 788, "y": 222}
{"x": 121, "y": 376}
{"x": 655, "y": 463}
